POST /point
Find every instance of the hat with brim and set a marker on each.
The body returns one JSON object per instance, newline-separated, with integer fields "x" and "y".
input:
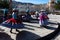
{"x": 42, "y": 10}
{"x": 15, "y": 10}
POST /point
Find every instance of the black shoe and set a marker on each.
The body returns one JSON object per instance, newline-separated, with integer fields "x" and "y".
{"x": 41, "y": 26}
{"x": 17, "y": 30}
{"x": 44, "y": 26}
{"x": 11, "y": 31}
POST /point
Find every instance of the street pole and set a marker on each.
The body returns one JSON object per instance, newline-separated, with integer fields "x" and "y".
{"x": 10, "y": 7}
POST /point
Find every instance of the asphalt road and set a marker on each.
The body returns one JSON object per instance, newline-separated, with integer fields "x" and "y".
{"x": 31, "y": 31}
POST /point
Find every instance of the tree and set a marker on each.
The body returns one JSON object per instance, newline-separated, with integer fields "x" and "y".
{"x": 4, "y": 4}
{"x": 57, "y": 5}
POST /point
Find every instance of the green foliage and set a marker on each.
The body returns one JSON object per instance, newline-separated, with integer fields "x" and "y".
{"x": 57, "y": 7}
{"x": 4, "y": 4}
{"x": 58, "y": 1}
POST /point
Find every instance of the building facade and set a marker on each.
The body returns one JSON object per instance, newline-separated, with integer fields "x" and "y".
{"x": 51, "y": 5}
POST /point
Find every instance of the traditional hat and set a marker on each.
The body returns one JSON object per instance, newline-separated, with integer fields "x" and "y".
{"x": 14, "y": 10}
{"x": 42, "y": 10}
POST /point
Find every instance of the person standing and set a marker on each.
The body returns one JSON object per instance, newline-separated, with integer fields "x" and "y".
{"x": 36, "y": 13}
{"x": 43, "y": 19}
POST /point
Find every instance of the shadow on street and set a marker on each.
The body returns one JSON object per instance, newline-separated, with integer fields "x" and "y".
{"x": 50, "y": 28}
{"x": 31, "y": 25}
{"x": 51, "y": 35}
{"x": 4, "y": 36}
{"x": 25, "y": 35}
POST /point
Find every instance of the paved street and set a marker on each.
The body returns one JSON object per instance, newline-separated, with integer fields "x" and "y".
{"x": 31, "y": 31}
